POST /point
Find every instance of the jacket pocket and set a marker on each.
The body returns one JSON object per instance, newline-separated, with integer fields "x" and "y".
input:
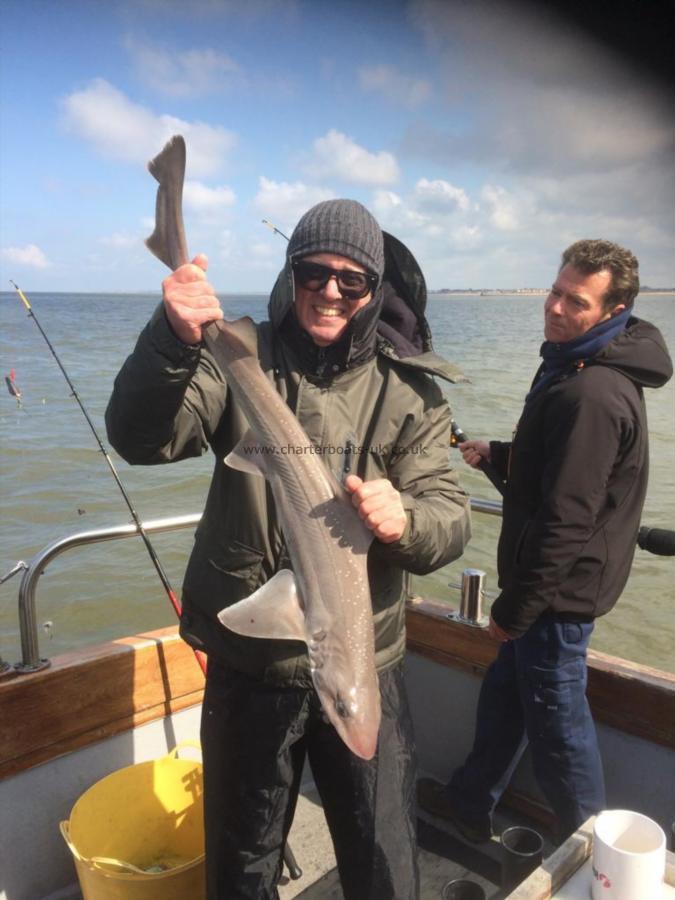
{"x": 238, "y": 561}
{"x": 555, "y": 707}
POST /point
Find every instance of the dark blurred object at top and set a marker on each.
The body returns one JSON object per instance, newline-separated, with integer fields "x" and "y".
{"x": 640, "y": 31}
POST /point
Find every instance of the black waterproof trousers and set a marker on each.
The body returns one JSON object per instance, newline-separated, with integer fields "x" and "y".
{"x": 255, "y": 738}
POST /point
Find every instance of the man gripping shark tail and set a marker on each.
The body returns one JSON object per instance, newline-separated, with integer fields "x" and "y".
{"x": 347, "y": 350}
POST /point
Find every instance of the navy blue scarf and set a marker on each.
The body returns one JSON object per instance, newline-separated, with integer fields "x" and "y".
{"x": 558, "y": 357}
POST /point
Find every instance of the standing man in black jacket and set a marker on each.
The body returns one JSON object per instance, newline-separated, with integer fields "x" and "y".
{"x": 575, "y": 479}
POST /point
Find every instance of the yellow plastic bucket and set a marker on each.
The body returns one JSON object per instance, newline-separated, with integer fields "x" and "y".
{"x": 138, "y": 834}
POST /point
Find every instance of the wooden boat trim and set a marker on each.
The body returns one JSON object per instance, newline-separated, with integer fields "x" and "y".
{"x": 97, "y": 692}
{"x": 633, "y": 698}
{"x": 94, "y": 693}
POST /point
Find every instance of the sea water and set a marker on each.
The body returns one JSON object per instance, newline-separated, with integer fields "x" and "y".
{"x": 54, "y": 480}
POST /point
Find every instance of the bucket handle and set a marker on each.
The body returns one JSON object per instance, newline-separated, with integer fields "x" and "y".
{"x": 99, "y": 862}
{"x": 105, "y": 862}
{"x": 188, "y": 742}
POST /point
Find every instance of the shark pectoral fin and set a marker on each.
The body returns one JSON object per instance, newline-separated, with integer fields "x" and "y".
{"x": 273, "y": 611}
{"x": 248, "y": 456}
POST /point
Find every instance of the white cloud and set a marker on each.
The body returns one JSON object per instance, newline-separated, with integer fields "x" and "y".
{"x": 440, "y": 196}
{"x": 264, "y": 253}
{"x": 30, "y": 255}
{"x": 394, "y": 85}
{"x": 190, "y": 73}
{"x": 121, "y": 240}
{"x": 398, "y": 215}
{"x": 441, "y": 216}
{"x": 201, "y": 198}
{"x": 466, "y": 237}
{"x": 502, "y": 206}
{"x": 432, "y": 214}
{"x": 385, "y": 201}
{"x": 285, "y": 203}
{"x": 121, "y": 129}
{"x": 235, "y": 254}
{"x": 227, "y": 244}
{"x": 337, "y": 156}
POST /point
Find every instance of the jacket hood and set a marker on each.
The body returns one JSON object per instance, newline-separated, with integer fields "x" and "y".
{"x": 394, "y": 318}
{"x": 639, "y": 353}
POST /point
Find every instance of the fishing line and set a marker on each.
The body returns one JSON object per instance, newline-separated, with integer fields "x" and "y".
{"x": 175, "y": 602}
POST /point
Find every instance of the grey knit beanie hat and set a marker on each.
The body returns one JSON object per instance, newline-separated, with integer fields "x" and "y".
{"x": 344, "y": 227}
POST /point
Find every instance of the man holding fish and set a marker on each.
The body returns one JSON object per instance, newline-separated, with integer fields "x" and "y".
{"x": 295, "y": 585}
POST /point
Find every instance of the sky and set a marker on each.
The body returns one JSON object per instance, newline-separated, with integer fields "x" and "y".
{"x": 487, "y": 136}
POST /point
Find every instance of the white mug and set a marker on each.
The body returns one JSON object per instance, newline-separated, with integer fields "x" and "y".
{"x": 629, "y": 856}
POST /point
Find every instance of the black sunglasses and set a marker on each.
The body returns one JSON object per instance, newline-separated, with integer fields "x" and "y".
{"x": 352, "y": 285}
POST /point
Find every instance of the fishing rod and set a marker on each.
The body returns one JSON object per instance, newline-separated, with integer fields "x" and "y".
{"x": 458, "y": 437}
{"x": 274, "y": 229}
{"x": 175, "y": 602}
{"x": 659, "y": 541}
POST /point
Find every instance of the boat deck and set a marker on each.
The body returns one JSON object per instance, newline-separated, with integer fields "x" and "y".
{"x": 443, "y": 855}
{"x": 143, "y": 698}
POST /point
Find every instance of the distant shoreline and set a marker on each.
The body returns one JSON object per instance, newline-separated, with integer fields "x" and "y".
{"x": 485, "y": 294}
{"x": 529, "y": 292}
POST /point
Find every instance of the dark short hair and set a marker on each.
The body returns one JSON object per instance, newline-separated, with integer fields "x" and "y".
{"x": 591, "y": 256}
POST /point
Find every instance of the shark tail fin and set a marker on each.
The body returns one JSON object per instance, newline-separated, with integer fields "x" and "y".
{"x": 169, "y": 160}
{"x": 167, "y": 242}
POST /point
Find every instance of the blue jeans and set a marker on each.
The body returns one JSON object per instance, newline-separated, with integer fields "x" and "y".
{"x": 535, "y": 692}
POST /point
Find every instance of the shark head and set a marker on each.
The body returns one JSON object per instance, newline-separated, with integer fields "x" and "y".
{"x": 342, "y": 670}
{"x": 352, "y": 708}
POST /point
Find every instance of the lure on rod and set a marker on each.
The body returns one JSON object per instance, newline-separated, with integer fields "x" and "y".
{"x": 274, "y": 228}
{"x": 13, "y": 387}
{"x": 175, "y": 602}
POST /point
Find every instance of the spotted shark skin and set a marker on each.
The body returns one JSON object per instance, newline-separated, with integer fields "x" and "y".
{"x": 324, "y": 600}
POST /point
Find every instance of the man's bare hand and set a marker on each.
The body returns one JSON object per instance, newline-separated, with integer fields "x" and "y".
{"x": 473, "y": 452}
{"x": 380, "y": 506}
{"x": 190, "y": 301}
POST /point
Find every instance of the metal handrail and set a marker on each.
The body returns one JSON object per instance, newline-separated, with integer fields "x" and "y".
{"x": 489, "y": 507}
{"x": 30, "y": 651}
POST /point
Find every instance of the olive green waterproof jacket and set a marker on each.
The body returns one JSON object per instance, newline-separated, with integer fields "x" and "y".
{"x": 384, "y": 418}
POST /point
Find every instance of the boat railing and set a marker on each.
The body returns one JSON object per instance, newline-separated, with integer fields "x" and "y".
{"x": 33, "y": 570}
{"x": 30, "y": 651}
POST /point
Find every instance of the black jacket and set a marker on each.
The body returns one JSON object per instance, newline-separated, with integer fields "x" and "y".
{"x": 576, "y": 479}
